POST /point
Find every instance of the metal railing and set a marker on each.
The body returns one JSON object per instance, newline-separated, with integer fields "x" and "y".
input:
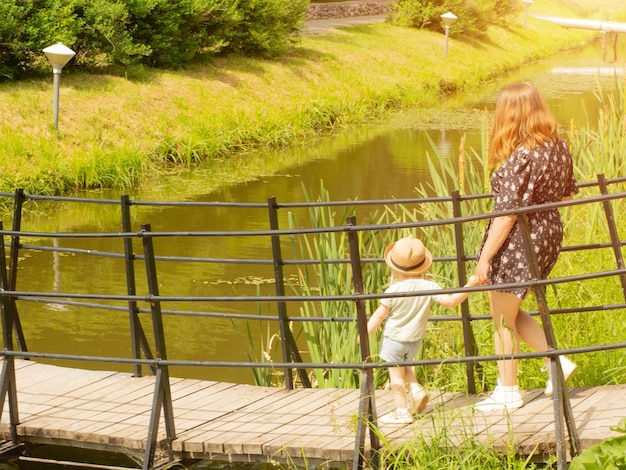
{"x": 147, "y": 300}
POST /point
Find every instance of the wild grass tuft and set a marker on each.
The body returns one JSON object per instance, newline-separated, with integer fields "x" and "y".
{"x": 446, "y": 439}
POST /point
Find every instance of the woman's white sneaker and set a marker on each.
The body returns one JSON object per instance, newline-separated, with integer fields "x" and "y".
{"x": 502, "y": 398}
{"x": 568, "y": 370}
{"x": 397, "y": 417}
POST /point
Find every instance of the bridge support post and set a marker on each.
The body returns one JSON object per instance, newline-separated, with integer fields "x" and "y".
{"x": 560, "y": 400}
{"x": 367, "y": 404}
{"x": 614, "y": 233}
{"x": 18, "y": 203}
{"x": 139, "y": 342}
{"x": 7, "y": 379}
{"x": 162, "y": 394}
{"x": 469, "y": 340}
{"x": 288, "y": 343}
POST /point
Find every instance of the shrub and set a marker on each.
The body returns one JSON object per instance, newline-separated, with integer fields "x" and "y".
{"x": 104, "y": 36}
{"x": 27, "y": 27}
{"x": 421, "y": 14}
{"x": 10, "y": 56}
{"x": 267, "y": 27}
{"x": 474, "y": 16}
{"x": 161, "y": 33}
{"x": 175, "y": 32}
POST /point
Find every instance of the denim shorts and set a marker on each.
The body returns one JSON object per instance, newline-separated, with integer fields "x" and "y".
{"x": 395, "y": 351}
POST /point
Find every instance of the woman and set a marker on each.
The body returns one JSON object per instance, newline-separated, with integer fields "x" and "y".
{"x": 535, "y": 167}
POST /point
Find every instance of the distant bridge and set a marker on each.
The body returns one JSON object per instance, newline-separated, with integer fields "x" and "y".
{"x": 595, "y": 25}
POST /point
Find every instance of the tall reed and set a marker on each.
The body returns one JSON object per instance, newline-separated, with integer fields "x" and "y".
{"x": 328, "y": 342}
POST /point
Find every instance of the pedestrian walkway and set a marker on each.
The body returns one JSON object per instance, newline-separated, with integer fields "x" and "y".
{"x": 320, "y": 26}
{"x": 110, "y": 411}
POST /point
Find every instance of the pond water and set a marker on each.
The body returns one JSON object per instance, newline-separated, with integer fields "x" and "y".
{"x": 381, "y": 160}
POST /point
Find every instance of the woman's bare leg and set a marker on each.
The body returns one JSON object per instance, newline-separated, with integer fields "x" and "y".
{"x": 529, "y": 331}
{"x": 505, "y": 309}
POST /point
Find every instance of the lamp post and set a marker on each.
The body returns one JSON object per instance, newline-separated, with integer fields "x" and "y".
{"x": 448, "y": 20}
{"x": 58, "y": 55}
{"x": 528, "y": 3}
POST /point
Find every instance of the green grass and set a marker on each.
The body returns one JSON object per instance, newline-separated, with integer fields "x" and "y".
{"x": 120, "y": 126}
{"x": 449, "y": 442}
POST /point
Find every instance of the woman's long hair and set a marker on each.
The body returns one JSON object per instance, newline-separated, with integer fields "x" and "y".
{"x": 522, "y": 117}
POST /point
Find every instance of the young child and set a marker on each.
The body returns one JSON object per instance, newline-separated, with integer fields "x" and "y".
{"x": 406, "y": 320}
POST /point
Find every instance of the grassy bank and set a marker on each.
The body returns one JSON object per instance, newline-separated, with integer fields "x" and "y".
{"x": 119, "y": 126}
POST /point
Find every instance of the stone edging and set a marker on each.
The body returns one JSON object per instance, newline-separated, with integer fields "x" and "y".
{"x": 320, "y": 11}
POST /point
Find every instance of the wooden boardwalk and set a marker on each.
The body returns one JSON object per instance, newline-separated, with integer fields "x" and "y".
{"x": 224, "y": 421}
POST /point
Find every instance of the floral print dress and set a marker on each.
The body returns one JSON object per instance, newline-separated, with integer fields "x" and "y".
{"x": 530, "y": 177}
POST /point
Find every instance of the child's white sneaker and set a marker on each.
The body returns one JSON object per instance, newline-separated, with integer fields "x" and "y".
{"x": 502, "y": 398}
{"x": 568, "y": 370}
{"x": 397, "y": 417}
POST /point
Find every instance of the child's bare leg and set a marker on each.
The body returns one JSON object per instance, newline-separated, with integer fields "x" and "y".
{"x": 419, "y": 397}
{"x": 398, "y": 386}
{"x": 401, "y": 414}
{"x": 409, "y": 377}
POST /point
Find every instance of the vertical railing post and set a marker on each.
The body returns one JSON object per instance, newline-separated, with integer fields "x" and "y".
{"x": 615, "y": 241}
{"x": 560, "y": 400}
{"x": 367, "y": 405}
{"x": 288, "y": 344}
{"x": 139, "y": 341}
{"x": 18, "y": 203}
{"x": 162, "y": 397}
{"x": 7, "y": 379}
{"x": 468, "y": 334}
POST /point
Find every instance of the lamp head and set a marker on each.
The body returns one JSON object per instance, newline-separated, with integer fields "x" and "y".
{"x": 449, "y": 18}
{"x": 58, "y": 55}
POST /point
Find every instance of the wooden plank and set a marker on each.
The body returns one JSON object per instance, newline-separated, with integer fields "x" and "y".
{"x": 236, "y": 397}
{"x": 100, "y": 389}
{"x": 204, "y": 397}
{"x": 187, "y": 387}
{"x": 60, "y": 380}
{"x": 42, "y": 426}
{"x": 285, "y": 423}
{"x": 445, "y": 411}
{"x": 601, "y": 408}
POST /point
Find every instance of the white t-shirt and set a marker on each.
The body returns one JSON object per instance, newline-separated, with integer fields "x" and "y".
{"x": 408, "y": 316}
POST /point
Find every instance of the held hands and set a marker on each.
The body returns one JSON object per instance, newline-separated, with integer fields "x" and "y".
{"x": 482, "y": 272}
{"x": 476, "y": 280}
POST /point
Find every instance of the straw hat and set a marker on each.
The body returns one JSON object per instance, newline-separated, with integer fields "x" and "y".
{"x": 408, "y": 255}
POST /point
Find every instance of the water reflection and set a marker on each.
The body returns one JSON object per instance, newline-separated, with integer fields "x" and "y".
{"x": 589, "y": 71}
